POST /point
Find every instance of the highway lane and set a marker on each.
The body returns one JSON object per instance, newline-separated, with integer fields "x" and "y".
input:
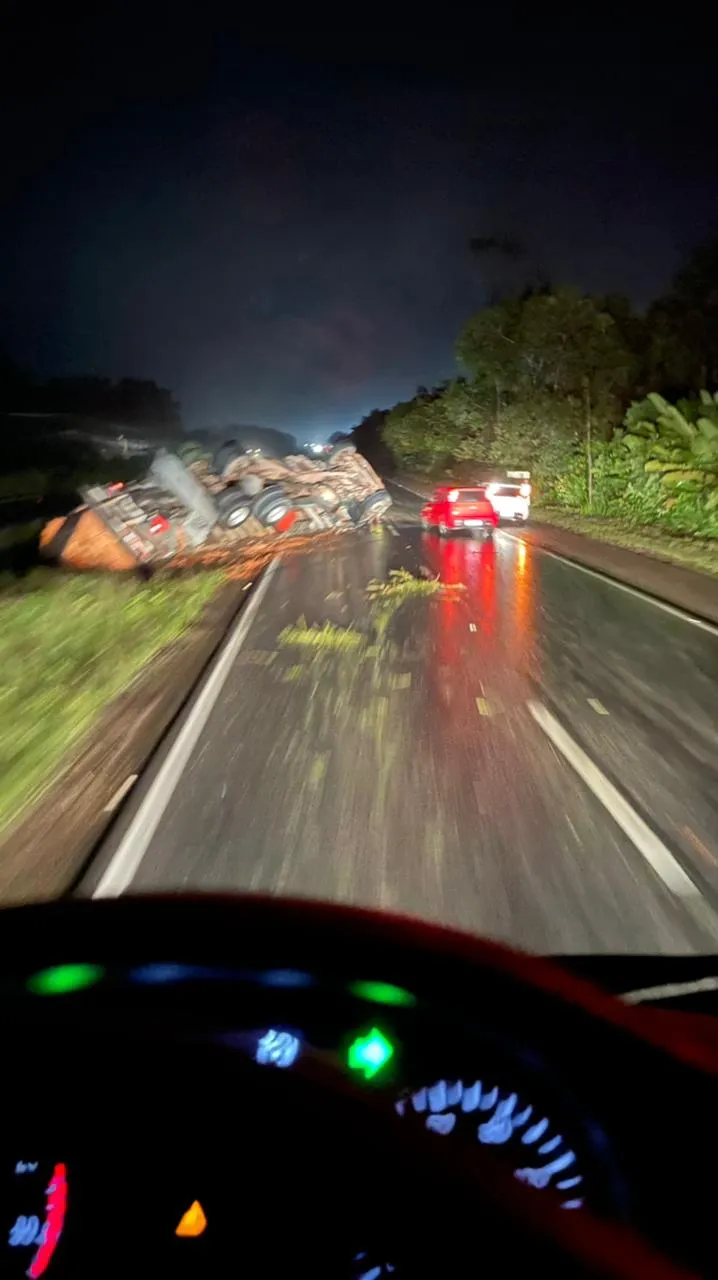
{"x": 415, "y": 777}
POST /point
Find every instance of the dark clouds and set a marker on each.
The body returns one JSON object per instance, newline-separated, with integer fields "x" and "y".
{"x": 282, "y": 236}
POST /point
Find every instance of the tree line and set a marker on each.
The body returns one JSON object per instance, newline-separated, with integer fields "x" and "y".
{"x": 610, "y": 408}
{"x": 59, "y": 433}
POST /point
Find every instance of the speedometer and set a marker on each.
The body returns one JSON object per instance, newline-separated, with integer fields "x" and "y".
{"x": 487, "y": 1114}
{"x": 34, "y": 1216}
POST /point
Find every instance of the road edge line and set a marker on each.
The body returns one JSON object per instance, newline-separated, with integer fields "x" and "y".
{"x": 684, "y": 615}
{"x": 650, "y": 845}
{"x": 128, "y": 855}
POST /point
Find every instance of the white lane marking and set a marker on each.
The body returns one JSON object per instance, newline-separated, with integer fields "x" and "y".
{"x": 683, "y": 614}
{"x": 120, "y": 793}
{"x": 128, "y": 855}
{"x": 639, "y": 833}
{"x": 670, "y": 990}
{"x": 406, "y": 489}
{"x": 598, "y": 707}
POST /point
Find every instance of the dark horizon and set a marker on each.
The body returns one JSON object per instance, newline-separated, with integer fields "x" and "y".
{"x": 279, "y": 232}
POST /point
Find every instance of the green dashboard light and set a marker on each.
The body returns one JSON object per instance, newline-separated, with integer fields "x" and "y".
{"x": 382, "y": 993}
{"x": 65, "y": 978}
{"x": 370, "y": 1053}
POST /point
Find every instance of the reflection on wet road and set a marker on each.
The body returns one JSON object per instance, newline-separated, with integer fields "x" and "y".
{"x": 404, "y": 768}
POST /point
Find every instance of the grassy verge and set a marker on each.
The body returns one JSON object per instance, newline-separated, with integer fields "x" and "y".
{"x": 68, "y": 644}
{"x": 691, "y": 553}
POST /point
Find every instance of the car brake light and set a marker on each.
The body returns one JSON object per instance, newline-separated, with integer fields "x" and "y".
{"x": 452, "y": 495}
{"x": 525, "y": 490}
{"x": 159, "y": 524}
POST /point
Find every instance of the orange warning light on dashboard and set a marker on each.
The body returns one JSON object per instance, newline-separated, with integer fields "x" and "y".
{"x": 193, "y": 1222}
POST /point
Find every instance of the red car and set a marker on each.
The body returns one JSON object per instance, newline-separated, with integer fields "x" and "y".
{"x": 449, "y": 509}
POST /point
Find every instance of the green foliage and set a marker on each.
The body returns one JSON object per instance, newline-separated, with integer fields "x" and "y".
{"x": 549, "y": 375}
{"x": 68, "y": 644}
{"x": 555, "y": 343}
{"x": 437, "y": 427}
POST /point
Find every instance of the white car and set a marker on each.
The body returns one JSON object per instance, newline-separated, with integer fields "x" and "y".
{"x": 511, "y": 501}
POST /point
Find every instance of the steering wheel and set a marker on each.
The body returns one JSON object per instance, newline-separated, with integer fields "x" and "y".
{"x": 133, "y": 1069}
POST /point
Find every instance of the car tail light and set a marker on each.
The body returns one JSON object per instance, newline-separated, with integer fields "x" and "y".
{"x": 525, "y": 490}
{"x": 452, "y": 495}
{"x": 159, "y": 524}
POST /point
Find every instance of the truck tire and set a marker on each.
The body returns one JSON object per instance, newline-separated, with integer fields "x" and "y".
{"x": 271, "y": 506}
{"x": 251, "y": 485}
{"x": 374, "y": 506}
{"x": 226, "y": 453}
{"x": 234, "y": 507}
{"x": 190, "y": 453}
{"x": 325, "y": 497}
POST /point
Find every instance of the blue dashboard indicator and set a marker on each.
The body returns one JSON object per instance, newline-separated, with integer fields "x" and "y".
{"x": 437, "y": 1096}
{"x": 500, "y": 1127}
{"x": 535, "y": 1132}
{"x": 284, "y": 978}
{"x": 24, "y": 1231}
{"x": 441, "y": 1123}
{"x": 277, "y": 1049}
{"x": 26, "y": 1166}
{"x": 471, "y": 1097}
{"x": 547, "y": 1147}
{"x": 164, "y": 974}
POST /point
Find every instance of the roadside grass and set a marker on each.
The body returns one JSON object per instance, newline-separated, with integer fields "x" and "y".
{"x": 68, "y": 645}
{"x": 691, "y": 553}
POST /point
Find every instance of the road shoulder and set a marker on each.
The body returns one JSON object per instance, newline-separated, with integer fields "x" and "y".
{"x": 684, "y": 589}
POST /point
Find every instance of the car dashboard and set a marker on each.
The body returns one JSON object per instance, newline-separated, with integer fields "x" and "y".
{"x": 168, "y": 1111}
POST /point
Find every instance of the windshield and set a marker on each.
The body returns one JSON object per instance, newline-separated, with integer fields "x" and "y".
{"x": 279, "y": 316}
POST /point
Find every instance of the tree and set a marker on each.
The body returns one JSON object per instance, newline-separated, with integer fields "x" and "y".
{"x": 683, "y": 327}
{"x": 546, "y": 344}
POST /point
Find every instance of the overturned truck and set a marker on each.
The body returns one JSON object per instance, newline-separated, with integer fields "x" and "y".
{"x": 189, "y": 499}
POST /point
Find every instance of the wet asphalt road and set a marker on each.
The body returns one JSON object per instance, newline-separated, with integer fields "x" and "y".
{"x": 414, "y": 777}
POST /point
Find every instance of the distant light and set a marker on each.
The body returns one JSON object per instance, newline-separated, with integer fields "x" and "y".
{"x": 65, "y": 978}
{"x": 382, "y": 993}
{"x": 370, "y": 1053}
{"x": 277, "y": 1049}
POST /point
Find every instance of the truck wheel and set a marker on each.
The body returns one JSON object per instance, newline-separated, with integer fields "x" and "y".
{"x": 251, "y": 485}
{"x": 226, "y": 453}
{"x": 234, "y": 508}
{"x": 374, "y": 506}
{"x": 272, "y": 505}
{"x": 190, "y": 453}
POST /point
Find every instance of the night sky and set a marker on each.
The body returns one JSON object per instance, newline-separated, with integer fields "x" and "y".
{"x": 277, "y": 228}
